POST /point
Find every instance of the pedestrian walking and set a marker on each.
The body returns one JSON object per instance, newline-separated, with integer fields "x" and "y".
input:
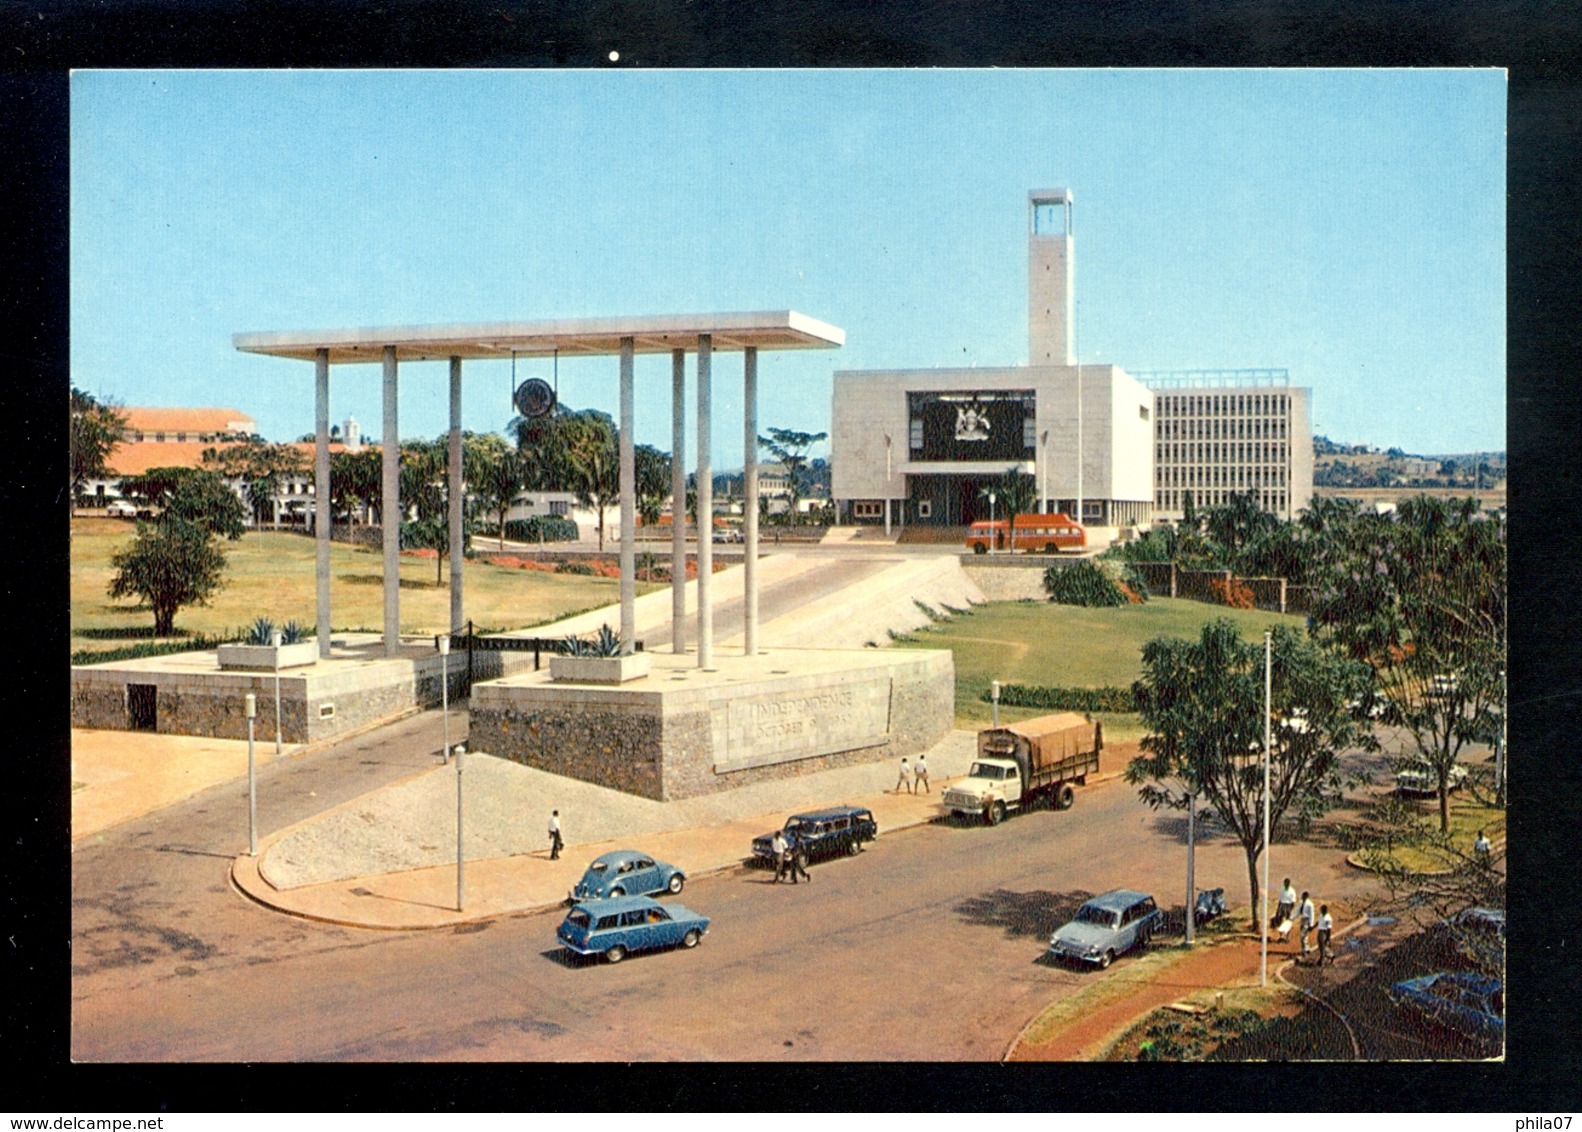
{"x": 555, "y": 842}
{"x": 905, "y": 779}
{"x": 920, "y": 774}
{"x": 1481, "y": 849}
{"x": 1325, "y": 925}
{"x": 782, "y": 852}
{"x": 1287, "y": 904}
{"x": 798, "y": 862}
{"x": 1307, "y": 918}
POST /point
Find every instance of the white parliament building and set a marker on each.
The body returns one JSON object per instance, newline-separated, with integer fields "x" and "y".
{"x": 920, "y": 446}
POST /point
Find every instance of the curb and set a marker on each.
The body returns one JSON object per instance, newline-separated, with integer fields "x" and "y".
{"x": 248, "y": 880}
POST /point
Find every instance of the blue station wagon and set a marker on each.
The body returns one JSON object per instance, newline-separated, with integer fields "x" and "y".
{"x": 1107, "y": 926}
{"x": 627, "y": 873}
{"x": 616, "y": 927}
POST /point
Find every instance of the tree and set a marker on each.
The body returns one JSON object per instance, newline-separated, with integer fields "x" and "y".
{"x": 194, "y": 495}
{"x": 97, "y": 429}
{"x": 173, "y": 561}
{"x": 168, "y": 565}
{"x": 1018, "y": 492}
{"x": 356, "y": 480}
{"x": 1202, "y": 703}
{"x": 791, "y": 448}
{"x": 262, "y": 468}
{"x": 1419, "y": 597}
{"x": 498, "y": 484}
{"x": 575, "y": 451}
{"x": 653, "y": 481}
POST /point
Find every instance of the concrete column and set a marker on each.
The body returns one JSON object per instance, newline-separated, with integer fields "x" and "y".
{"x": 750, "y": 499}
{"x": 678, "y": 504}
{"x": 390, "y": 506}
{"x": 628, "y": 474}
{"x": 321, "y": 495}
{"x": 705, "y": 476}
{"x": 455, "y": 497}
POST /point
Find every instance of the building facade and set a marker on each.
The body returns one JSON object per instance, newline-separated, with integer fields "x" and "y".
{"x": 926, "y": 445}
{"x": 1220, "y": 433}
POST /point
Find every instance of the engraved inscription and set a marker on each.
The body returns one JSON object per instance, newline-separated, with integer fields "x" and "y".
{"x": 821, "y": 720}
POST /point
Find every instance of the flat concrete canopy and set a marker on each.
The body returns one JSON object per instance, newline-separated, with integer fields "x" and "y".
{"x": 573, "y": 337}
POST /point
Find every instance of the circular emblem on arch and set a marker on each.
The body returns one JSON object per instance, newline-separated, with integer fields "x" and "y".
{"x": 534, "y": 398}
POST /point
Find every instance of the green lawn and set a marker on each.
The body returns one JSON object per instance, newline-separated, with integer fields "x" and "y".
{"x": 270, "y": 574}
{"x": 1025, "y": 642}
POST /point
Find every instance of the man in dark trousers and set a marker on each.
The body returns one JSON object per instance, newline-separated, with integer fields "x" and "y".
{"x": 794, "y": 862}
{"x": 555, "y": 842}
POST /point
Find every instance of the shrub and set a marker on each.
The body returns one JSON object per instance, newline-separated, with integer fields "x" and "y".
{"x": 1083, "y": 583}
{"x": 574, "y": 568}
{"x": 549, "y": 528}
{"x": 1232, "y": 592}
{"x": 262, "y": 632}
{"x": 1066, "y": 699}
{"x": 607, "y": 643}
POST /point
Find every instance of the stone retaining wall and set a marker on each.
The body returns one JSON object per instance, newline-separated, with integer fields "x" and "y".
{"x": 665, "y": 745}
{"x": 1021, "y": 582}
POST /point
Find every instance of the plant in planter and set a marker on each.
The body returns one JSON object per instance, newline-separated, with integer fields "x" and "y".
{"x": 598, "y": 661}
{"x": 257, "y": 648}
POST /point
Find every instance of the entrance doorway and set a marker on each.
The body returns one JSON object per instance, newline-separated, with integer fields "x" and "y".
{"x": 141, "y": 706}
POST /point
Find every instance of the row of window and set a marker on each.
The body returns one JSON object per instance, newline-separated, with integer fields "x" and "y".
{"x": 1271, "y": 501}
{"x": 184, "y": 437}
{"x": 1260, "y": 453}
{"x": 1214, "y": 428}
{"x": 1221, "y": 404}
{"x": 1238, "y": 475}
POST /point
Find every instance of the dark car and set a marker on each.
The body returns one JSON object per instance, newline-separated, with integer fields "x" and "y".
{"x": 822, "y": 833}
{"x": 626, "y": 872}
{"x": 616, "y": 927}
{"x": 1107, "y": 926}
{"x": 1471, "y": 1005}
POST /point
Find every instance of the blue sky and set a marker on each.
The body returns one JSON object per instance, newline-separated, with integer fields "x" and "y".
{"x": 1348, "y": 226}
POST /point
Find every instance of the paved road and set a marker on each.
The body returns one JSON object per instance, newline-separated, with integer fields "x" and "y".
{"x": 928, "y": 946}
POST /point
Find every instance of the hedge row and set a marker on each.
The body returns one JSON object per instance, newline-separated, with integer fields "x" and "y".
{"x": 1066, "y": 699}
{"x": 552, "y": 528}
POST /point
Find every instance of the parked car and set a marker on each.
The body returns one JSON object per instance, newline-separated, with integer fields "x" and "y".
{"x": 1419, "y": 778}
{"x": 729, "y": 534}
{"x": 822, "y": 833}
{"x": 616, "y": 927}
{"x": 1107, "y": 926}
{"x": 1478, "y": 935}
{"x": 626, "y": 872}
{"x": 121, "y": 509}
{"x": 1469, "y": 1004}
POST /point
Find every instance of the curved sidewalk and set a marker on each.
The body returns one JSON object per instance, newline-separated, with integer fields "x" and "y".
{"x": 702, "y": 836}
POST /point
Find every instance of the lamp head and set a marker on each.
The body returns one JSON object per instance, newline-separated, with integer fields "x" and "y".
{"x": 251, "y": 702}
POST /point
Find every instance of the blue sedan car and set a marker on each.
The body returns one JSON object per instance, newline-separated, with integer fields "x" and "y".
{"x": 627, "y": 873}
{"x": 1107, "y": 926}
{"x": 617, "y": 927}
{"x": 1470, "y": 1004}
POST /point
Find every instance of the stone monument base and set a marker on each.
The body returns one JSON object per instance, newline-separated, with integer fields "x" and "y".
{"x": 680, "y": 731}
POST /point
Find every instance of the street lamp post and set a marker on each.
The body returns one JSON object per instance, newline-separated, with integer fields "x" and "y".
{"x": 1191, "y": 900}
{"x": 444, "y": 692}
{"x": 994, "y": 698}
{"x": 1043, "y": 472}
{"x": 1268, "y": 685}
{"x": 251, "y": 702}
{"x": 994, "y": 535}
{"x": 275, "y": 639}
{"x": 461, "y": 749}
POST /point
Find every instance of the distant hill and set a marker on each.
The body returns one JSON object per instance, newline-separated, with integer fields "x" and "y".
{"x": 1365, "y": 466}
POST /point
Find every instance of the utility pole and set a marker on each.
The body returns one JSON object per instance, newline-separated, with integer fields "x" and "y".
{"x": 1263, "y": 918}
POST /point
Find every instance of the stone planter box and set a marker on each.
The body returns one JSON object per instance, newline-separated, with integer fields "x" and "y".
{"x": 264, "y": 656}
{"x": 599, "y": 669}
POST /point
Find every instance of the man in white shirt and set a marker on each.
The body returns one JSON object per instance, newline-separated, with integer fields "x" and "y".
{"x": 554, "y": 835}
{"x": 1325, "y": 925}
{"x": 1307, "y": 918}
{"x": 1287, "y": 903}
{"x": 920, "y": 774}
{"x": 905, "y": 779}
{"x": 778, "y": 846}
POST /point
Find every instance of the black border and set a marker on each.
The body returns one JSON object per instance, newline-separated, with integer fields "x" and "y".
{"x": 1540, "y": 43}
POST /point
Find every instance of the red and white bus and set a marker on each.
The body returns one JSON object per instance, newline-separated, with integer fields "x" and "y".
{"x": 1034, "y": 533}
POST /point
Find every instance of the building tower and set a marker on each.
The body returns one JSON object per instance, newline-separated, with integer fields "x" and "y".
{"x": 1051, "y": 294}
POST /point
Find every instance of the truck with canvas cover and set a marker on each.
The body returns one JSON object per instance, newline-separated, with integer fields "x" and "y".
{"x": 1025, "y": 764}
